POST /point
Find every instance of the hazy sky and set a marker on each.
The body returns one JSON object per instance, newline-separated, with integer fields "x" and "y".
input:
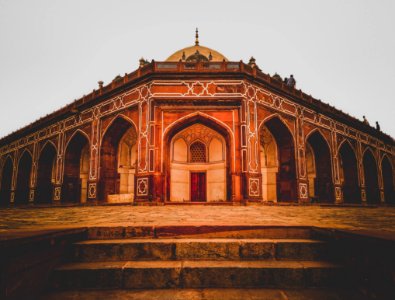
{"x": 52, "y": 52}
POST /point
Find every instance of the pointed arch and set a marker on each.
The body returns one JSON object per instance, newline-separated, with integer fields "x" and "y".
{"x": 78, "y": 131}
{"x": 45, "y": 144}
{"x": 6, "y": 181}
{"x": 349, "y": 173}
{"x": 76, "y": 168}
{"x": 212, "y": 123}
{"x": 110, "y": 145}
{"x": 46, "y": 173}
{"x": 23, "y": 153}
{"x": 371, "y": 176}
{"x": 319, "y": 131}
{"x": 117, "y": 118}
{"x": 323, "y": 183}
{"x": 346, "y": 141}
{"x": 278, "y": 116}
{"x": 388, "y": 179}
{"x": 286, "y": 175}
{"x": 25, "y": 164}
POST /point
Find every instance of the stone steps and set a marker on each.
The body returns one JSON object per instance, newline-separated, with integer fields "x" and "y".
{"x": 210, "y": 294}
{"x": 200, "y": 249}
{"x": 197, "y": 274}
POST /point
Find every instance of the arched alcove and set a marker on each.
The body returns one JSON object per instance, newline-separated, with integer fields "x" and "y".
{"x": 23, "y": 178}
{"x": 371, "y": 178}
{"x": 322, "y": 189}
{"x": 269, "y": 164}
{"x": 388, "y": 181}
{"x": 46, "y": 174}
{"x": 76, "y": 169}
{"x": 286, "y": 175}
{"x": 118, "y": 157}
{"x": 349, "y": 174}
{"x": 6, "y": 181}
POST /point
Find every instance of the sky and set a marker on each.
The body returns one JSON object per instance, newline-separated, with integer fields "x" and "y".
{"x": 53, "y": 51}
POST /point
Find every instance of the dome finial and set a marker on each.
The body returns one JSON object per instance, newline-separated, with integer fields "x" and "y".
{"x": 197, "y": 37}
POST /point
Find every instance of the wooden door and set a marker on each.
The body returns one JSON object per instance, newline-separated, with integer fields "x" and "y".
{"x": 198, "y": 186}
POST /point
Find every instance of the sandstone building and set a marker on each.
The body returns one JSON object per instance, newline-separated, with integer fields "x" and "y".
{"x": 195, "y": 128}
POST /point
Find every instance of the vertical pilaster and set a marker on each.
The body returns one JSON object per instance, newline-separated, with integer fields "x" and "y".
{"x": 144, "y": 180}
{"x": 361, "y": 173}
{"x": 94, "y": 160}
{"x": 33, "y": 178}
{"x": 14, "y": 176}
{"x": 301, "y": 177}
{"x": 380, "y": 176}
{"x": 336, "y": 166}
{"x": 57, "y": 189}
{"x": 253, "y": 177}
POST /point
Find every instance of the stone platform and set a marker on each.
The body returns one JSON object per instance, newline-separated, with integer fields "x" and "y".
{"x": 380, "y": 220}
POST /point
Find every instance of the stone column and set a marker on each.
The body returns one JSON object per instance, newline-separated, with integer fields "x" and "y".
{"x": 57, "y": 188}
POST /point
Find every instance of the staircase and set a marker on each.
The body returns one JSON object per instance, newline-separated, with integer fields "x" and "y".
{"x": 271, "y": 260}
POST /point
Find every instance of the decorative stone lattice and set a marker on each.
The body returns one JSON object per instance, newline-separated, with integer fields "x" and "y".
{"x": 198, "y": 152}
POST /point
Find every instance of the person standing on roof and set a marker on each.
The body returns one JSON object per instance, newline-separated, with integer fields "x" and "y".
{"x": 291, "y": 81}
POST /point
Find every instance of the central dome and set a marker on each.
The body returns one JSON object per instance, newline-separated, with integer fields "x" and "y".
{"x": 196, "y": 53}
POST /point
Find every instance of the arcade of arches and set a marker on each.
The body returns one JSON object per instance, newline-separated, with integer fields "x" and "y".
{"x": 198, "y": 168}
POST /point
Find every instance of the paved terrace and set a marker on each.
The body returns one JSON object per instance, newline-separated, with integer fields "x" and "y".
{"x": 380, "y": 220}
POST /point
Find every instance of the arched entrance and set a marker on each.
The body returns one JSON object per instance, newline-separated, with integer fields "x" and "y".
{"x": 371, "y": 178}
{"x": 278, "y": 154}
{"x": 76, "y": 169}
{"x": 197, "y": 161}
{"x": 269, "y": 164}
{"x": 6, "y": 180}
{"x": 23, "y": 179}
{"x": 46, "y": 174}
{"x": 198, "y": 165}
{"x": 388, "y": 181}
{"x": 118, "y": 162}
{"x": 319, "y": 168}
{"x": 349, "y": 174}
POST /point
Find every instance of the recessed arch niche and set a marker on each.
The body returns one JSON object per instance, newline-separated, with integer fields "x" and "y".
{"x": 198, "y": 165}
{"x": 6, "y": 181}
{"x": 76, "y": 169}
{"x": 349, "y": 174}
{"x": 23, "y": 178}
{"x": 281, "y": 158}
{"x": 118, "y": 162}
{"x": 46, "y": 174}
{"x": 371, "y": 178}
{"x": 319, "y": 168}
{"x": 388, "y": 180}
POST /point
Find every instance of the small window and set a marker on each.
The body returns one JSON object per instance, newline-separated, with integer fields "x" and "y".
{"x": 198, "y": 152}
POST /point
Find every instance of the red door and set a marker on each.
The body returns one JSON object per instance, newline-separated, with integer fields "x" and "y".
{"x": 198, "y": 186}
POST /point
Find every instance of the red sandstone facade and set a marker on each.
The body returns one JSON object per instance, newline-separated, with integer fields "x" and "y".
{"x": 197, "y": 128}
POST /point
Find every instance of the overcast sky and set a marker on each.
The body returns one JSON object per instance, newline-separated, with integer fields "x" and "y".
{"x": 52, "y": 52}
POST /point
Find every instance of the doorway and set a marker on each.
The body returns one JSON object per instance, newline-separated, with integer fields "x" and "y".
{"x": 198, "y": 186}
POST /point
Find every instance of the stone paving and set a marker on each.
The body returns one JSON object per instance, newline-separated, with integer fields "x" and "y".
{"x": 378, "y": 219}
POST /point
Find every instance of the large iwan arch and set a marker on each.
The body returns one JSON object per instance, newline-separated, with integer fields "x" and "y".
{"x": 197, "y": 162}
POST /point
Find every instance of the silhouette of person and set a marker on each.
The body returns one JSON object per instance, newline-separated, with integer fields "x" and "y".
{"x": 291, "y": 81}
